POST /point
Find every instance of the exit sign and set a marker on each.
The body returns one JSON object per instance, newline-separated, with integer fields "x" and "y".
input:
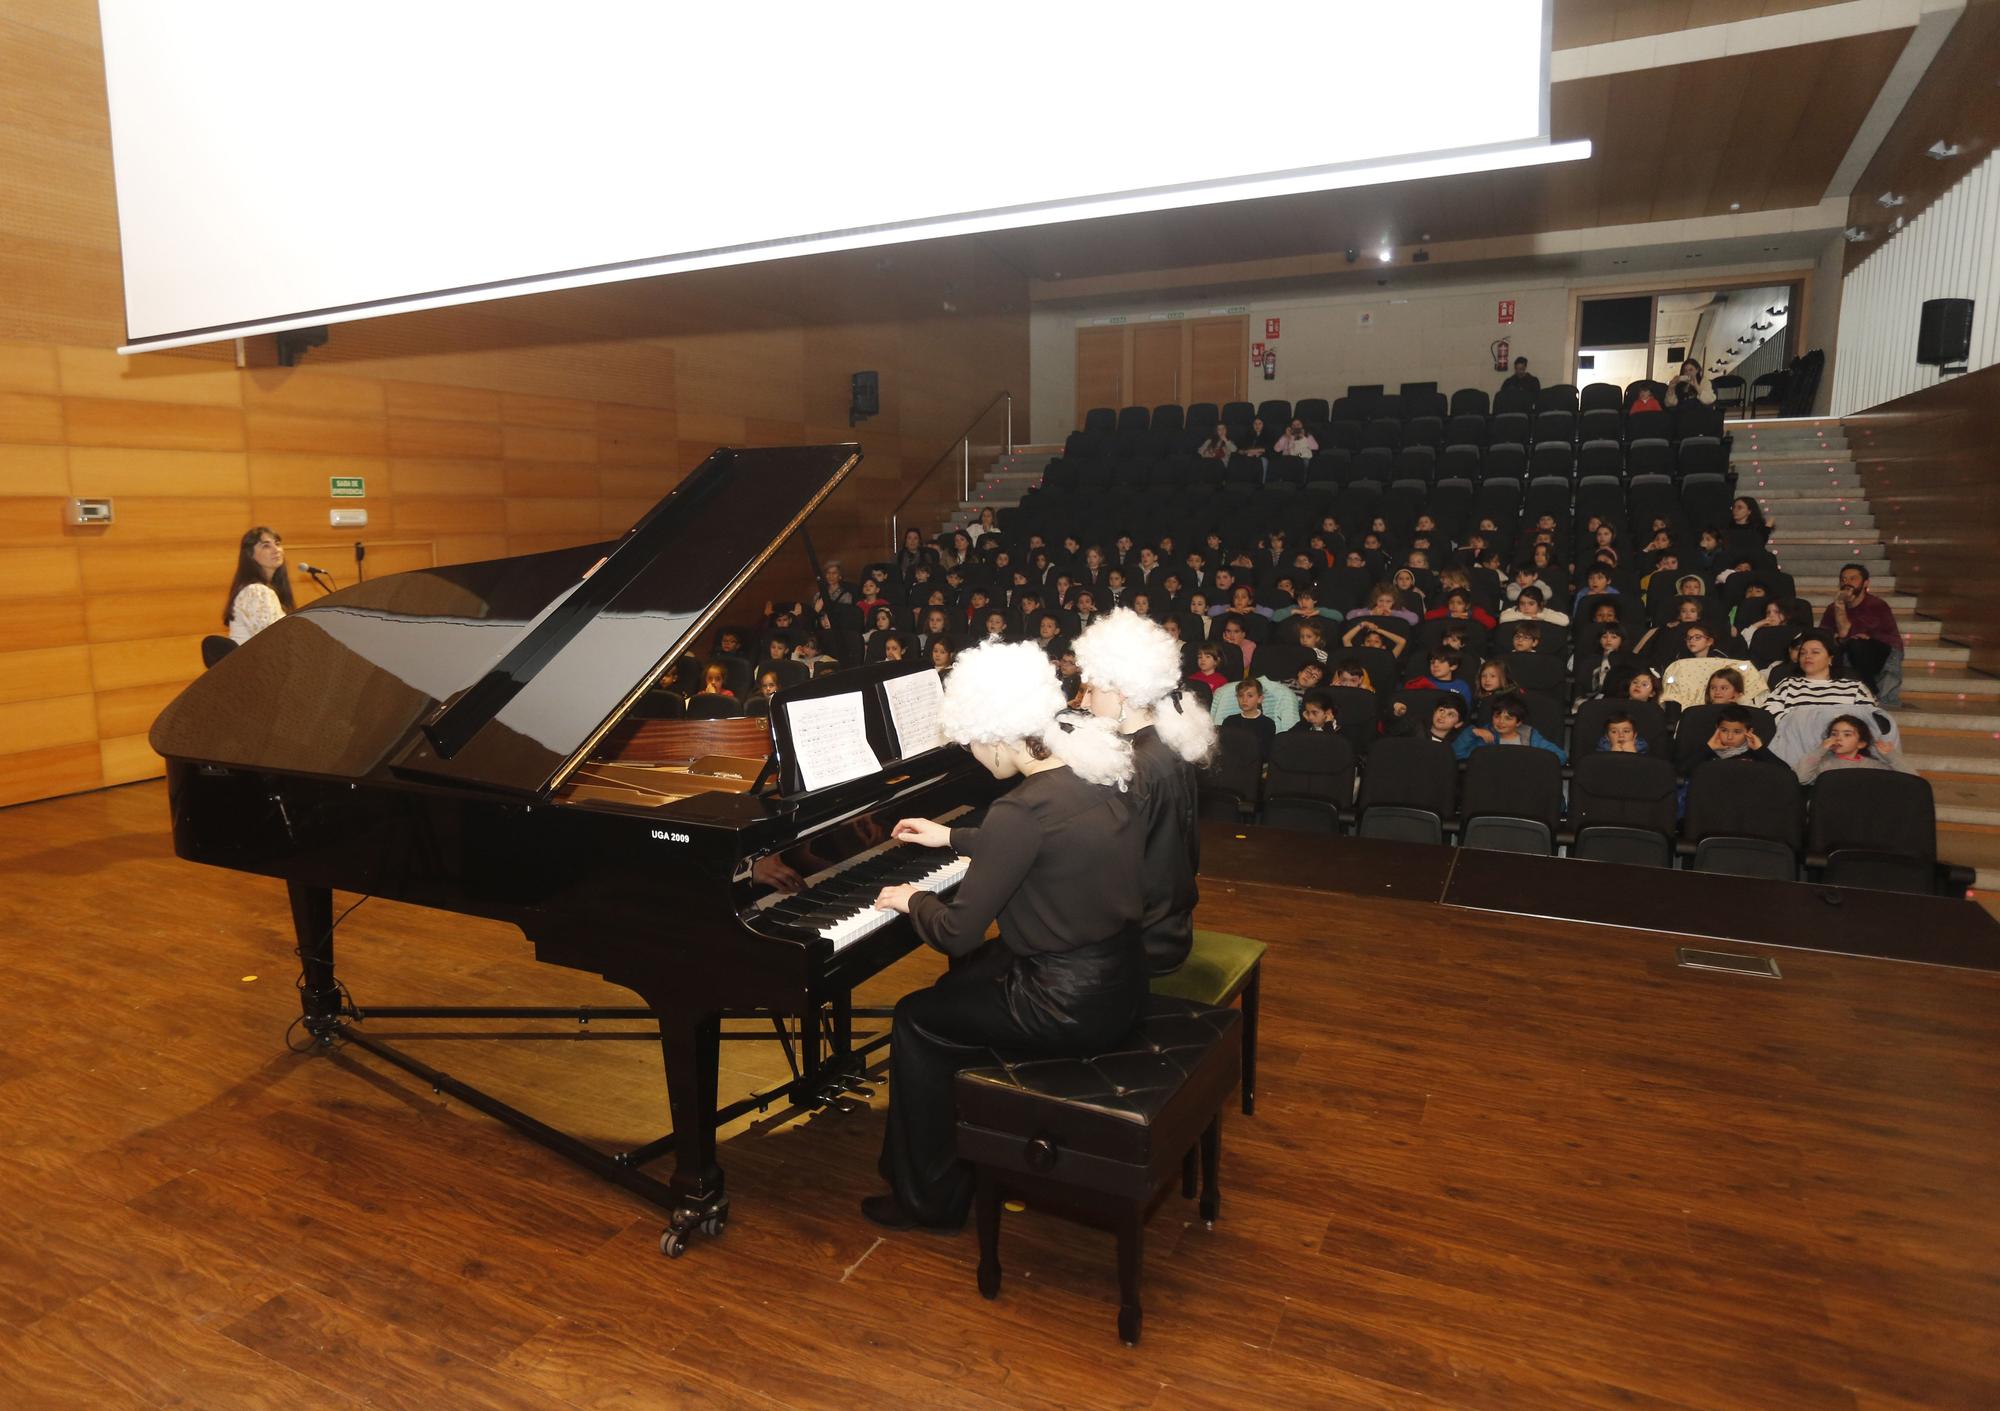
{"x": 347, "y": 487}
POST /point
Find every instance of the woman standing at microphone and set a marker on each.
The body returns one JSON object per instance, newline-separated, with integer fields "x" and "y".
{"x": 261, "y": 592}
{"x": 1056, "y": 863}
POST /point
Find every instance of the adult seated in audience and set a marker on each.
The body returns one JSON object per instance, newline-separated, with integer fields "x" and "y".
{"x": 1866, "y": 629}
{"x": 1747, "y": 528}
{"x": 1690, "y": 386}
{"x": 1529, "y": 606}
{"x": 1820, "y": 680}
{"x": 1522, "y": 380}
{"x": 260, "y": 592}
{"x": 1851, "y": 744}
{"x": 1507, "y": 725}
{"x": 1734, "y": 738}
{"x": 914, "y": 554}
{"x": 1297, "y": 441}
{"x": 1218, "y": 447}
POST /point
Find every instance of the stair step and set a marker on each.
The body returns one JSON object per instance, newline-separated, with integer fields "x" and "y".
{"x": 1929, "y": 763}
{"x": 1951, "y": 714}
{"x": 1918, "y": 655}
{"x": 1962, "y": 814}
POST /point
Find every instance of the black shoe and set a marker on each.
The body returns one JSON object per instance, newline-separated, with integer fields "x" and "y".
{"x": 891, "y": 1214}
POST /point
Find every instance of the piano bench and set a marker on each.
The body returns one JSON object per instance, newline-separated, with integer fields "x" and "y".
{"x": 1220, "y": 967}
{"x": 1097, "y": 1139}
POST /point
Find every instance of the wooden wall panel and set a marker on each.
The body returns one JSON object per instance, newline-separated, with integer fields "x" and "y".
{"x": 480, "y": 432}
{"x": 1927, "y": 461}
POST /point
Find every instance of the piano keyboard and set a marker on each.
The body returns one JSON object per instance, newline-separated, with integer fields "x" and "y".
{"x": 839, "y": 903}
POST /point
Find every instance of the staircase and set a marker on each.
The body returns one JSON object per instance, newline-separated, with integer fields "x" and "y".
{"x": 1010, "y": 477}
{"x": 1805, "y": 477}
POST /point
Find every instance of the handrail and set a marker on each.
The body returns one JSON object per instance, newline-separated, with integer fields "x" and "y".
{"x": 961, "y": 447}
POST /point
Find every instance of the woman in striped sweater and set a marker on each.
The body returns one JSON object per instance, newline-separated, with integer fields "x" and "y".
{"x": 1819, "y": 681}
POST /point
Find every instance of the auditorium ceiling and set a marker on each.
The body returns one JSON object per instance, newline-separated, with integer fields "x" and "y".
{"x": 1740, "y": 133}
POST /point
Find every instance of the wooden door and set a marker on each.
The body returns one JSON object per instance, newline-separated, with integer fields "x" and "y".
{"x": 1156, "y": 363}
{"x": 1100, "y": 369}
{"x": 1218, "y": 359}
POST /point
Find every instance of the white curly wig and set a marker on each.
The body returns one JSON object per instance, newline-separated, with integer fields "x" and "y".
{"x": 1135, "y": 657}
{"x": 1003, "y": 693}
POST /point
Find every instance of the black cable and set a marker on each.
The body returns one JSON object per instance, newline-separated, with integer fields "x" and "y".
{"x": 346, "y": 999}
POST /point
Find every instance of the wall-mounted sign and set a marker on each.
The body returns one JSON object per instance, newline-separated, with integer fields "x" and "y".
{"x": 1256, "y": 353}
{"x": 347, "y": 487}
{"x": 1270, "y": 328}
{"x": 1506, "y": 311}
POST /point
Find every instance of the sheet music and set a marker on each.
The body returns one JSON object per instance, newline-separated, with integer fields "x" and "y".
{"x": 830, "y": 740}
{"x": 916, "y": 703}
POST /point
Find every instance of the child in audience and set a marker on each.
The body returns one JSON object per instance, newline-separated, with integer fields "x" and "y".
{"x": 1621, "y": 735}
{"x": 1725, "y": 687}
{"x": 1207, "y": 661}
{"x": 1611, "y": 659}
{"x": 1312, "y": 639}
{"x": 1527, "y": 636}
{"x": 1349, "y": 674}
{"x": 1443, "y": 677}
{"x": 1642, "y": 685}
{"x": 1530, "y": 606}
{"x": 1316, "y": 715}
{"x": 1250, "y": 716}
{"x": 1734, "y": 737}
{"x": 1509, "y": 727}
{"x": 1850, "y": 744}
{"x": 1494, "y": 680}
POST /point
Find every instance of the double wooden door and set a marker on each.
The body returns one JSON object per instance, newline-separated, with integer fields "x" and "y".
{"x": 1172, "y": 360}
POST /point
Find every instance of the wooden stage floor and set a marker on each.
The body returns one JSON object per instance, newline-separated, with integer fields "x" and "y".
{"x": 1497, "y": 1163}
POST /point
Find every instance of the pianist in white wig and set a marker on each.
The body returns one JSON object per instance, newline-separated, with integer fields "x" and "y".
{"x": 1133, "y": 655}
{"x": 1007, "y": 694}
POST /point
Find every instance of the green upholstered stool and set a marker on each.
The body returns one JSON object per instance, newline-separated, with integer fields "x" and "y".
{"x": 1220, "y": 967}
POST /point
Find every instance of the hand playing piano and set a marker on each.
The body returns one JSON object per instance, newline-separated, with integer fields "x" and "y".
{"x": 896, "y": 898}
{"x": 922, "y": 832}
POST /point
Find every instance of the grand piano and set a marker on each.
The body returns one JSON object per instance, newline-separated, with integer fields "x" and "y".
{"x": 470, "y": 738}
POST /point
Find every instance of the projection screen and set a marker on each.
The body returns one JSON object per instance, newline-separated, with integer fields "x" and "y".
{"x": 282, "y": 163}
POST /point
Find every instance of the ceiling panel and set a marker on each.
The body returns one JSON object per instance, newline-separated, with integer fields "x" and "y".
{"x": 1766, "y": 130}
{"x": 1581, "y": 22}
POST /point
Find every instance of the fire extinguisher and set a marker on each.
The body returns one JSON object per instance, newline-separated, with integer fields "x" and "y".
{"x": 1500, "y": 352}
{"x": 1270, "y": 365}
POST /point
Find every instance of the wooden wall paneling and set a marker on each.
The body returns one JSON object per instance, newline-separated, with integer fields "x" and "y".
{"x": 148, "y": 377}
{"x": 141, "y": 568}
{"x": 126, "y": 759}
{"x": 160, "y": 518}
{"x": 429, "y": 516}
{"x": 25, "y": 417}
{"x": 1159, "y": 362}
{"x": 283, "y": 431}
{"x": 429, "y": 476}
{"x": 305, "y": 391}
{"x": 34, "y": 470}
{"x": 1927, "y": 462}
{"x": 549, "y": 478}
{"x": 30, "y": 519}
{"x": 469, "y": 548}
{"x": 124, "y": 470}
{"x": 131, "y": 710}
{"x": 40, "y": 622}
{"x": 154, "y": 612}
{"x": 387, "y": 556}
{"x": 147, "y": 661}
{"x": 478, "y": 440}
{"x": 1103, "y": 368}
{"x": 44, "y": 672}
{"x": 44, "y": 773}
{"x": 47, "y": 722}
{"x": 29, "y": 367}
{"x": 306, "y": 477}
{"x": 1582, "y": 22}
{"x": 165, "y": 426}
{"x": 39, "y": 573}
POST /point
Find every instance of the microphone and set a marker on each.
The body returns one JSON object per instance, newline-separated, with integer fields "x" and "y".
{"x": 304, "y": 567}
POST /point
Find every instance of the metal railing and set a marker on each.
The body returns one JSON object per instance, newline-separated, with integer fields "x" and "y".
{"x": 985, "y": 437}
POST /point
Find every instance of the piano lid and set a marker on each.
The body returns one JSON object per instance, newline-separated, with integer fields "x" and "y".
{"x": 500, "y": 674}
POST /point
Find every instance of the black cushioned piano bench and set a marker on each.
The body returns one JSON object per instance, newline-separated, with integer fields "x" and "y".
{"x": 1099, "y": 1138}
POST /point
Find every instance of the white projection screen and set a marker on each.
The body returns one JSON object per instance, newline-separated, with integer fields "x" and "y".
{"x": 284, "y": 163}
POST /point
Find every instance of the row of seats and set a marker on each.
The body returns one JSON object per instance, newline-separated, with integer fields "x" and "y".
{"x": 1857, "y": 827}
{"x": 1697, "y": 455}
{"x": 1149, "y": 509}
{"x": 1366, "y": 402}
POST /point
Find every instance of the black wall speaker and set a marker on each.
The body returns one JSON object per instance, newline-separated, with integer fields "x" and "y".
{"x": 1945, "y": 336}
{"x": 866, "y": 398}
{"x": 1677, "y": 356}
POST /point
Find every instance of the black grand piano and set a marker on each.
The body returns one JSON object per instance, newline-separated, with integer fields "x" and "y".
{"x": 469, "y": 738}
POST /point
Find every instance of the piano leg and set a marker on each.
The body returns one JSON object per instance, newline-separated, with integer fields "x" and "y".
{"x": 312, "y": 924}
{"x": 691, "y": 1044}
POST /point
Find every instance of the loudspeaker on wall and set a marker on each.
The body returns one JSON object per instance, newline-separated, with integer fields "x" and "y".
{"x": 1945, "y": 335}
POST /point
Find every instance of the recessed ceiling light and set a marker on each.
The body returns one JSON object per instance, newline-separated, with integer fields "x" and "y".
{"x": 1888, "y": 200}
{"x": 1385, "y": 254}
{"x": 1941, "y": 150}
{"x": 1854, "y": 234}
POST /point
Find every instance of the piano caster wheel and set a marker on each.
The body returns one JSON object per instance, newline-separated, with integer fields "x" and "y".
{"x": 713, "y": 1226}
{"x": 673, "y": 1243}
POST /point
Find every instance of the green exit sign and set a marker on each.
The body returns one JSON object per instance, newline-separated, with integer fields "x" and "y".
{"x": 348, "y": 487}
